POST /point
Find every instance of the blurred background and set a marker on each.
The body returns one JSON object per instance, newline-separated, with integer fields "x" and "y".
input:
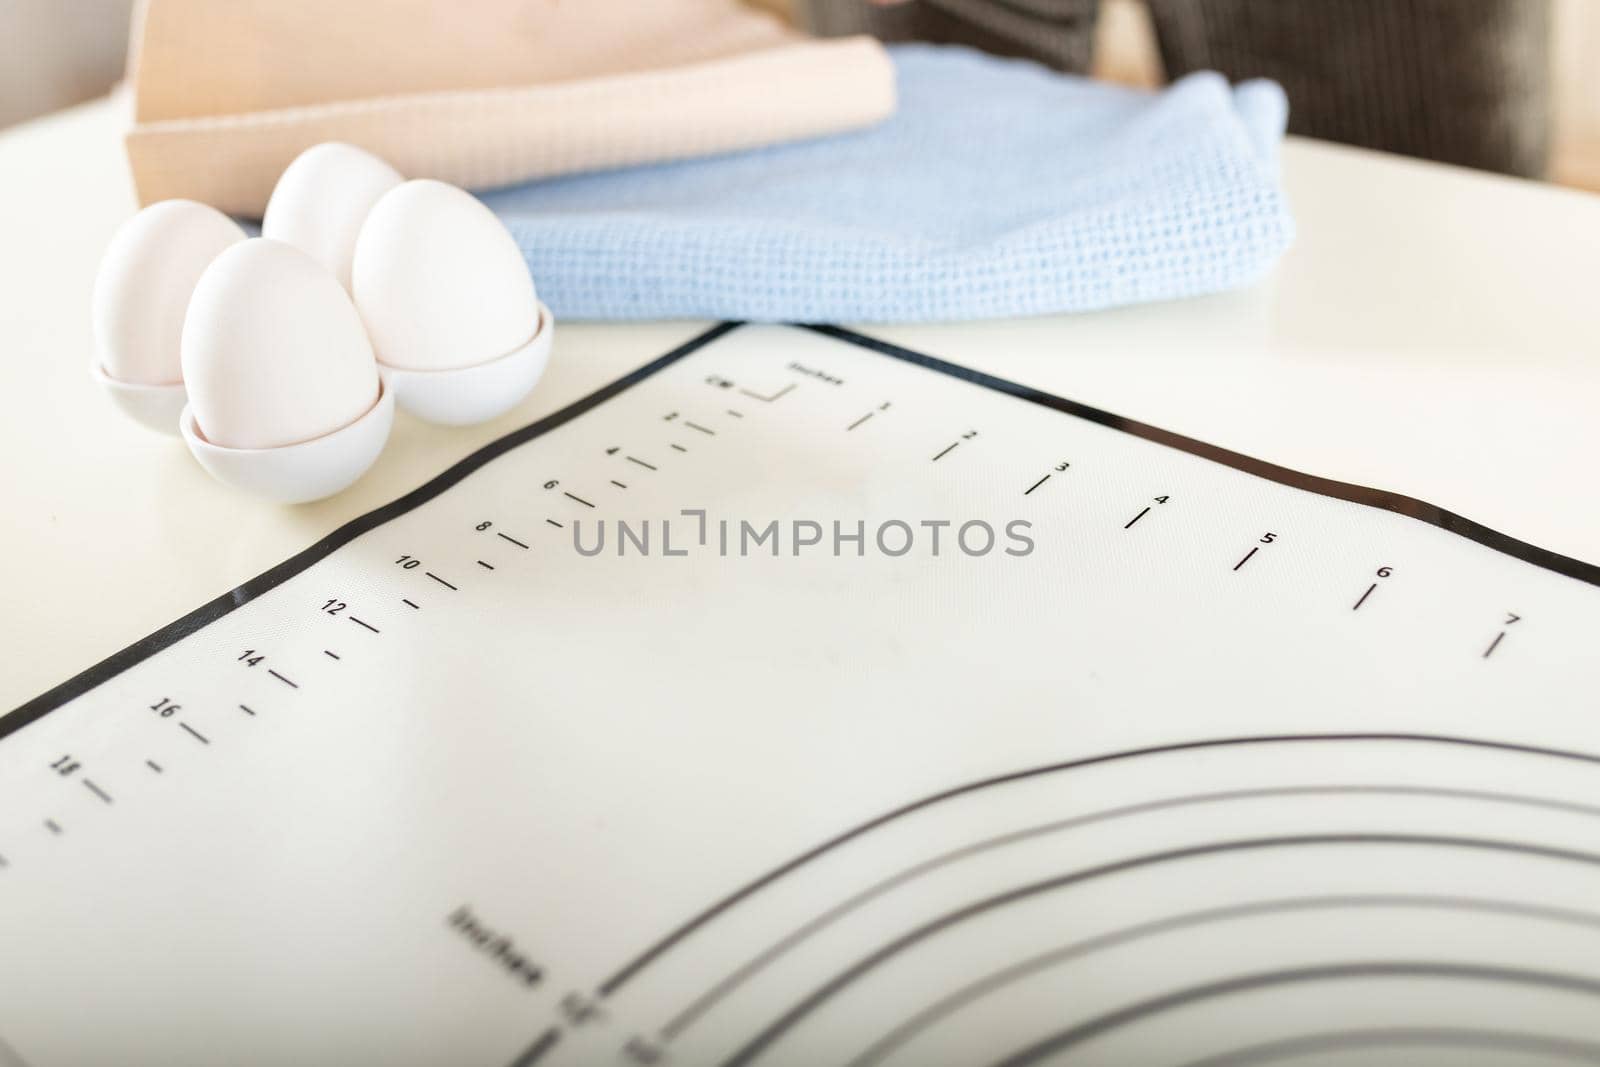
{"x": 1503, "y": 85}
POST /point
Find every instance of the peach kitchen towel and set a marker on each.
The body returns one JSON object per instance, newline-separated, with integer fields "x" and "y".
{"x": 485, "y": 94}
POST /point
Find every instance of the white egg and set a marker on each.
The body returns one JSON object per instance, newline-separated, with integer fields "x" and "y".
{"x": 322, "y": 199}
{"x": 273, "y": 350}
{"x": 146, "y": 277}
{"x": 439, "y": 282}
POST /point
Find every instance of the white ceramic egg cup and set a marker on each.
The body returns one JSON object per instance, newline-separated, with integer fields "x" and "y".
{"x": 466, "y": 395}
{"x": 308, "y": 470}
{"x": 154, "y": 406}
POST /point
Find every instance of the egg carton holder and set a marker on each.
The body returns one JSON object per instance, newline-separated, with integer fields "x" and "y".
{"x": 281, "y": 339}
{"x": 465, "y": 395}
{"x": 306, "y": 470}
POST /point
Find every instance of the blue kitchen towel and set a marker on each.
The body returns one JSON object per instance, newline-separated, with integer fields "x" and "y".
{"x": 997, "y": 189}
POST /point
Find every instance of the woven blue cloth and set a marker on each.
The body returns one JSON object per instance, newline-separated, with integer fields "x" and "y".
{"x": 997, "y": 189}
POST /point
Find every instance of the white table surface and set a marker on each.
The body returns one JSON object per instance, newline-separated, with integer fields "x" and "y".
{"x": 1433, "y": 331}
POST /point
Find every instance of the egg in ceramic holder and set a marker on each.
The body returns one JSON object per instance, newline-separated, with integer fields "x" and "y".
{"x": 441, "y": 286}
{"x": 280, "y": 359}
{"x": 285, "y": 398}
{"x": 141, "y": 295}
{"x": 449, "y": 305}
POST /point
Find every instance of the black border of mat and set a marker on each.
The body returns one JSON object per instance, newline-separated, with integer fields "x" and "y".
{"x": 208, "y": 613}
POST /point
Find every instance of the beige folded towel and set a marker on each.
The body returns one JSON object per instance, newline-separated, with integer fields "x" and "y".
{"x": 489, "y": 93}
